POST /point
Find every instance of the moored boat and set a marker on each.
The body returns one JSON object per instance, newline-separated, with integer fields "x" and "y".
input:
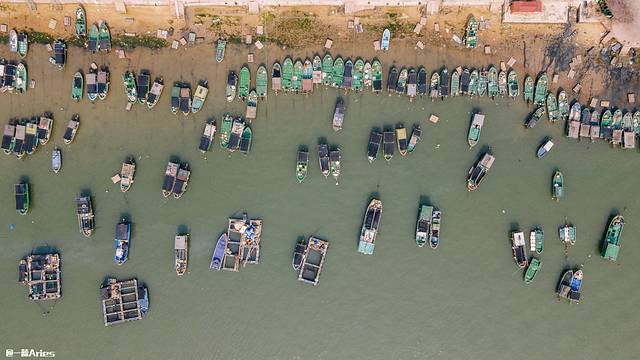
{"x": 347, "y": 76}
{"x": 307, "y": 77}
{"x": 423, "y": 226}
{"x": 544, "y": 148}
{"x": 22, "y": 198}
{"x": 473, "y": 83}
{"x": 298, "y": 252}
{"x": 392, "y": 80}
{"x": 532, "y": 270}
{"x": 536, "y": 240}
{"x": 236, "y": 134}
{"x": 611, "y": 243}
{"x": 72, "y": 129}
{"x": 221, "y": 45}
{"x": 475, "y": 129}
{"x": 376, "y": 69}
{"x": 169, "y": 178}
{"x": 181, "y": 253}
{"x": 471, "y": 32}
{"x": 478, "y": 172}
{"x": 502, "y": 83}
{"x": 401, "y": 86}
{"x": 296, "y": 80}
{"x": 199, "y": 96}
{"x": 434, "y": 235}
{"x": 59, "y": 58}
{"x": 56, "y": 160}
{"x": 126, "y": 174}
{"x": 375, "y": 139}
{"x": 617, "y": 125}
{"x": 585, "y": 123}
{"x": 287, "y": 74}
{"x": 261, "y": 82}
{"x": 358, "y": 75}
{"x": 401, "y": 138}
{"x": 245, "y": 140}
{"x": 184, "y": 100}
{"x": 232, "y": 83}
{"x": 338, "y": 115}
{"x": 317, "y": 70}
{"x": 570, "y": 286}
{"x": 422, "y": 81}
{"x": 595, "y": 125}
{"x": 13, "y": 40}
{"x": 323, "y": 159}
{"x": 434, "y": 86}
{"x": 208, "y": 134}
{"x": 276, "y": 80}
{"x": 175, "y": 97}
{"x": 84, "y": 211}
{"x": 334, "y": 164}
{"x": 567, "y": 233}
{"x": 105, "y": 37}
{"x": 483, "y": 81}
{"x": 629, "y": 134}
{"x": 455, "y": 83}
{"x": 367, "y": 76}
{"x": 92, "y": 41}
{"x": 142, "y": 86}
{"x": 444, "y": 82}
{"x": 81, "y": 22}
{"x": 18, "y": 141}
{"x": 386, "y": 39}
{"x": 535, "y": 117}
{"x": 388, "y": 144}
{"x": 21, "y": 79}
{"x": 540, "y": 95}
{"x": 606, "y": 125}
{"x": 557, "y": 186}
{"x": 218, "y": 256}
{"x": 552, "y": 107}
{"x": 225, "y": 130}
{"x": 514, "y": 86}
{"x": 412, "y": 83}
{"x": 129, "y": 81}
{"x": 8, "y": 138}
{"x": 103, "y": 83}
{"x": 563, "y": 105}
{"x": 528, "y": 89}
{"x": 313, "y": 260}
{"x": 519, "y": 249}
{"x": 77, "y": 86}
{"x": 45, "y": 127}
{"x": 31, "y": 137}
{"x": 465, "y": 81}
{"x": 415, "y": 137}
{"x": 327, "y": 70}
{"x": 122, "y": 238}
{"x": 154, "y": 94}
{"x": 493, "y": 88}
{"x": 370, "y": 227}
{"x": 302, "y": 165}
{"x": 182, "y": 180}
{"x": 245, "y": 82}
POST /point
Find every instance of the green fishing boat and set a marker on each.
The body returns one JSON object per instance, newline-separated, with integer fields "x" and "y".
{"x": 493, "y": 89}
{"x": 296, "y": 80}
{"x": 92, "y": 41}
{"x": 636, "y": 122}
{"x": 563, "y": 105}
{"x": 470, "y": 35}
{"x": 473, "y": 83}
{"x": 376, "y": 68}
{"x": 129, "y": 81}
{"x": 105, "y": 37}
{"x": 245, "y": 140}
{"x": 537, "y": 240}
{"x": 557, "y": 186}
{"x": 606, "y": 124}
{"x": 220, "y": 48}
{"x": 225, "y": 130}
{"x": 475, "y": 129}
{"x": 22, "y": 198}
{"x": 528, "y": 89}
{"x": 611, "y": 244}
{"x": 81, "y": 22}
{"x": 455, "y": 83}
{"x": 302, "y": 165}
{"x": 367, "y": 80}
{"x": 541, "y": 90}
{"x": 552, "y": 107}
{"x": 532, "y": 270}
{"x": 77, "y": 86}
{"x": 261, "y": 81}
{"x": 245, "y": 82}
{"x": 358, "y": 75}
{"x": 617, "y": 119}
{"x": 21, "y": 80}
{"x": 327, "y": 70}
{"x": 483, "y": 79}
{"x": 512, "y": 81}
{"x": 287, "y": 74}
{"x": 175, "y": 97}
{"x": 338, "y": 72}
{"x": 23, "y": 45}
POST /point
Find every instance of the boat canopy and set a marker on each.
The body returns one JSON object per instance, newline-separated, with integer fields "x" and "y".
{"x": 122, "y": 231}
{"x": 303, "y": 156}
{"x": 181, "y": 242}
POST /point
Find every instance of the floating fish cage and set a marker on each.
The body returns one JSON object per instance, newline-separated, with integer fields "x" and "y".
{"x": 123, "y": 301}
{"x": 243, "y": 245}
{"x": 41, "y": 274}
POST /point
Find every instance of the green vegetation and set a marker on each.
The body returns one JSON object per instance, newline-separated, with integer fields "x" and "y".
{"x": 398, "y": 27}
{"x": 130, "y": 42}
{"x": 298, "y": 29}
{"x": 4, "y": 39}
{"x": 75, "y": 41}
{"x": 39, "y": 37}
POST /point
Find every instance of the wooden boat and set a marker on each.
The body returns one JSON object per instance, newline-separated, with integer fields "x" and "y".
{"x": 401, "y": 86}
{"x": 236, "y": 134}
{"x": 415, "y": 137}
{"x": 316, "y": 77}
{"x": 169, "y": 178}
{"x": 455, "y": 83}
{"x": 45, "y": 126}
{"x": 217, "y": 259}
{"x": 338, "y": 72}
{"x": 225, "y": 130}
{"x": 302, "y": 164}
{"x": 72, "y": 129}
{"x": 617, "y": 124}
{"x": 519, "y": 249}
{"x": 22, "y": 79}
{"x": 323, "y": 158}
{"x": 611, "y": 243}
{"x": 261, "y": 82}
{"x": 386, "y": 39}
{"x": 184, "y": 100}
{"x": 567, "y": 233}
{"x": 22, "y": 198}
{"x": 573, "y": 128}
{"x": 221, "y": 45}
{"x": 307, "y": 77}
{"x": 563, "y": 105}
{"x": 31, "y": 137}
{"x": 347, "y": 76}
{"x": 84, "y": 211}
{"x": 13, "y": 40}
{"x": 334, "y": 164}
{"x": 327, "y": 70}
{"x": 541, "y": 90}
{"x": 18, "y": 141}
{"x": 56, "y": 160}
{"x": 570, "y": 286}
{"x": 313, "y": 260}
{"x": 77, "y": 87}
{"x": 502, "y": 83}
{"x": 245, "y": 82}
{"x": 287, "y": 74}
{"x": 493, "y": 88}
{"x": 423, "y": 226}
{"x": 81, "y": 22}
{"x": 296, "y": 80}
{"x": 557, "y": 186}
{"x": 434, "y": 235}
{"x": 483, "y": 81}
{"x": 412, "y": 83}
{"x": 358, "y": 75}
{"x": 252, "y": 105}
{"x": 105, "y": 37}
{"x": 370, "y": 227}
{"x": 434, "y": 86}
{"x": 629, "y": 137}
{"x": 376, "y": 69}
{"x": 182, "y": 180}
{"x": 154, "y": 94}
{"x": 367, "y": 76}
{"x": 544, "y": 148}
{"x": 298, "y": 252}
{"x": 595, "y": 125}
{"x": 122, "y": 238}
{"x": 175, "y": 97}
{"x": 392, "y": 80}
{"x": 532, "y": 270}
{"x": 59, "y": 58}
{"x": 401, "y": 136}
{"x": 8, "y": 75}
{"x": 375, "y": 139}
{"x": 103, "y": 83}
{"x": 465, "y": 81}
{"x": 245, "y": 140}
{"x": 585, "y": 124}
{"x": 199, "y": 96}
{"x": 126, "y": 174}
{"x": 142, "y": 86}
{"x": 422, "y": 81}
{"x": 552, "y": 107}
{"x": 444, "y": 82}
{"x": 208, "y": 134}
{"x": 514, "y": 86}
{"x": 473, "y": 83}
{"x": 536, "y": 240}
{"x": 478, "y": 172}
{"x": 276, "y": 80}
{"x": 475, "y": 129}
{"x": 471, "y": 32}
{"x": 232, "y": 83}
{"x": 564, "y": 286}
{"x": 606, "y": 125}
{"x": 338, "y": 115}
{"x": 129, "y": 81}
{"x": 92, "y": 43}
{"x": 8, "y": 138}
{"x": 388, "y": 144}
{"x": 181, "y": 253}
{"x": 528, "y": 89}
{"x": 535, "y": 117}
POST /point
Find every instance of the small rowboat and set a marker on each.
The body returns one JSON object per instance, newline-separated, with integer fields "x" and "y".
{"x": 415, "y": 137}
{"x": 81, "y": 22}
{"x": 544, "y": 148}
{"x": 455, "y": 83}
{"x": 532, "y": 270}
{"x": 154, "y": 94}
{"x": 514, "y": 87}
{"x": 386, "y": 39}
{"x": 475, "y": 129}
{"x": 557, "y": 186}
{"x": 232, "y": 83}
{"x": 276, "y": 81}
{"x": 528, "y": 89}
{"x": 502, "y": 83}
{"x": 220, "y": 47}
{"x": 77, "y": 86}
{"x": 56, "y": 160}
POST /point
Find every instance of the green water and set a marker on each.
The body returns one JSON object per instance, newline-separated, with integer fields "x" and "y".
{"x": 466, "y": 300}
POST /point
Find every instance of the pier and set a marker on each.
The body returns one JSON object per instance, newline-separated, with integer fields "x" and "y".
{"x": 123, "y": 301}
{"x": 41, "y": 273}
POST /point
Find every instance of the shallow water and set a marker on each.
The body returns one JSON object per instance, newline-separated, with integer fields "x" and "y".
{"x": 466, "y": 300}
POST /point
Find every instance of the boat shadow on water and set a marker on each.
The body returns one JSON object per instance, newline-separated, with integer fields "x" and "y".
{"x": 43, "y": 250}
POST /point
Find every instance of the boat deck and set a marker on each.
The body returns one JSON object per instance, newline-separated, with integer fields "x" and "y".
{"x": 121, "y": 301}
{"x": 241, "y": 248}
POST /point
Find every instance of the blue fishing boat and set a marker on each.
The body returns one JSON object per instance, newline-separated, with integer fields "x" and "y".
{"x": 123, "y": 235}
{"x": 386, "y": 38}
{"x": 218, "y": 252}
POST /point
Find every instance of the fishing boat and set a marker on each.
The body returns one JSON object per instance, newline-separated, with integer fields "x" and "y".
{"x": 252, "y": 105}
{"x": 296, "y": 80}
{"x": 444, "y": 82}
{"x": 376, "y": 69}
{"x": 142, "y": 86}
{"x": 606, "y": 125}
{"x": 334, "y": 163}
{"x": 375, "y": 139}
{"x": 182, "y": 180}
{"x": 181, "y": 253}
{"x": 307, "y": 77}
{"x": 473, "y": 83}
{"x": 199, "y": 96}
{"x": 327, "y": 70}
{"x": 514, "y": 87}
{"x": 465, "y": 81}
{"x": 217, "y": 259}
{"x": 8, "y": 138}
{"x": 636, "y": 122}
{"x": 13, "y": 40}
{"x": 31, "y": 137}
{"x": 18, "y": 141}
{"x": 422, "y": 81}
{"x": 22, "y": 198}
{"x": 552, "y": 107}
{"x": 401, "y": 86}
{"x": 154, "y": 94}
{"x": 347, "y": 76}
{"x": 169, "y": 178}
{"x": 483, "y": 81}
{"x": 595, "y": 125}
{"x": 338, "y": 73}
{"x": 434, "y": 236}
{"x": 313, "y": 260}
{"x": 475, "y": 129}
{"x": 129, "y": 81}
{"x": 471, "y": 32}
{"x": 316, "y": 76}
{"x": 536, "y": 240}
{"x": 81, "y": 22}
{"x": 338, "y": 115}
{"x": 184, "y": 100}
{"x": 532, "y": 270}
{"x": 72, "y": 129}
{"x": 478, "y": 172}
{"x": 103, "y": 83}
{"x": 276, "y": 81}
{"x": 105, "y": 37}
{"x": 388, "y": 144}
{"x": 370, "y": 226}
{"x": 544, "y": 148}
{"x": 221, "y": 45}
{"x": 175, "y": 97}
{"x": 519, "y": 249}
{"x": 122, "y": 238}
{"x": 77, "y": 87}
{"x": 392, "y": 80}
{"x": 611, "y": 243}
{"x": 541, "y": 90}
{"x": 208, "y": 134}
{"x": 56, "y": 160}
{"x": 629, "y": 137}
{"x": 434, "y": 86}
{"x": 232, "y": 82}
{"x": 367, "y": 77}
{"x": 323, "y": 158}
{"x": 575, "y": 112}
{"x": 415, "y": 137}
{"x": 261, "y": 82}
{"x": 386, "y": 39}
{"x": 455, "y": 83}
{"x": 236, "y": 134}
{"x": 45, "y": 127}
{"x": 563, "y": 105}
{"x": 358, "y": 75}
{"x": 401, "y": 136}
{"x": 423, "y": 226}
{"x": 557, "y": 186}
{"x": 92, "y": 43}
{"x": 59, "y": 58}
{"x": 287, "y": 74}
{"x": 564, "y": 286}
{"x": 23, "y": 45}
{"x": 245, "y": 82}
{"x": 84, "y": 211}
{"x": 617, "y": 124}
{"x": 528, "y": 89}
{"x": 502, "y": 83}
{"x": 126, "y": 174}
{"x": 22, "y": 79}
{"x": 567, "y": 233}
{"x": 570, "y": 286}
{"x": 585, "y": 123}
{"x": 535, "y": 117}
{"x": 298, "y": 253}
{"x": 302, "y": 164}
{"x": 225, "y": 130}
{"x": 493, "y": 88}
{"x": 245, "y": 140}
